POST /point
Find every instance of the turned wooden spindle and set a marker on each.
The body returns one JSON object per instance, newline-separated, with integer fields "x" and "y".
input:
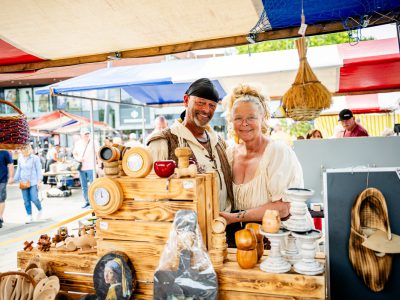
{"x": 183, "y": 154}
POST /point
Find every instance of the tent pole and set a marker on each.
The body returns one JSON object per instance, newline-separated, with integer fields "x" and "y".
{"x": 143, "y": 125}
{"x": 92, "y": 137}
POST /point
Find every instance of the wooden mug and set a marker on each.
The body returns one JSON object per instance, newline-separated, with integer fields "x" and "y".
{"x": 271, "y": 221}
{"x": 246, "y": 239}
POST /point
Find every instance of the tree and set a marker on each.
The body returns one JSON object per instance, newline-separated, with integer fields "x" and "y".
{"x": 297, "y": 128}
{"x": 312, "y": 41}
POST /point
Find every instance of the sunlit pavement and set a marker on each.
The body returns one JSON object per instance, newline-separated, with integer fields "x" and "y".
{"x": 55, "y": 210}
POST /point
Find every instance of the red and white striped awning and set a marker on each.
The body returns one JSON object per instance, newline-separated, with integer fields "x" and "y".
{"x": 63, "y": 122}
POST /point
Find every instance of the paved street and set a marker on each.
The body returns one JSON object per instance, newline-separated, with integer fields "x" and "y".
{"x": 14, "y": 228}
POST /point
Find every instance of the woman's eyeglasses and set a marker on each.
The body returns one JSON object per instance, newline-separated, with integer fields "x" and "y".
{"x": 249, "y": 120}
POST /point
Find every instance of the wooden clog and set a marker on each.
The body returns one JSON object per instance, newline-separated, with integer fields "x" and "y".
{"x": 54, "y": 283}
{"x": 37, "y": 274}
{"x": 16, "y": 294}
{"x": 9, "y": 286}
{"x": 39, "y": 287}
{"x": 25, "y": 288}
{"x": 2, "y": 284}
{"x": 36, "y": 263}
{"x": 46, "y": 294}
{"x": 369, "y": 213}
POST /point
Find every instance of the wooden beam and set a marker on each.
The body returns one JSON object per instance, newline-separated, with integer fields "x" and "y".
{"x": 184, "y": 47}
{"x": 366, "y": 92}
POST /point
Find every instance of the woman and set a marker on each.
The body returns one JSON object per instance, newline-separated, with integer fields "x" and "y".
{"x": 114, "y": 275}
{"x": 29, "y": 172}
{"x": 314, "y": 134}
{"x": 262, "y": 169}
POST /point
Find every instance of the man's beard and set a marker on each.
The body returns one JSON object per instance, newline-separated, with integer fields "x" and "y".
{"x": 200, "y": 123}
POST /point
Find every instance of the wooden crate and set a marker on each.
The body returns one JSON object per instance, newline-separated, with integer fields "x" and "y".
{"x": 141, "y": 227}
{"x": 149, "y": 208}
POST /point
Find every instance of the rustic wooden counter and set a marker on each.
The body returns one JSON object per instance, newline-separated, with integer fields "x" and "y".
{"x": 75, "y": 273}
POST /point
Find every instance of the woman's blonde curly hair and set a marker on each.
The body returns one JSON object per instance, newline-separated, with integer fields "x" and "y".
{"x": 250, "y": 94}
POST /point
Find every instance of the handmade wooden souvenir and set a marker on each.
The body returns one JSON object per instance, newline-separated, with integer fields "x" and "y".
{"x": 28, "y": 245}
{"x": 109, "y": 154}
{"x": 271, "y": 221}
{"x": 218, "y": 225}
{"x": 44, "y": 243}
{"x": 137, "y": 162}
{"x": 183, "y": 154}
{"x": 369, "y": 211}
{"x": 260, "y": 238}
{"x": 246, "y": 239}
{"x": 105, "y": 195}
{"x": 113, "y": 277}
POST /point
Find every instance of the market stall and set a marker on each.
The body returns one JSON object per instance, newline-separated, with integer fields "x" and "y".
{"x": 223, "y": 23}
{"x": 128, "y": 206}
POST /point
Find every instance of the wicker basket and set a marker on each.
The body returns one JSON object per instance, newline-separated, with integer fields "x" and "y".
{"x": 14, "y": 130}
{"x": 303, "y": 114}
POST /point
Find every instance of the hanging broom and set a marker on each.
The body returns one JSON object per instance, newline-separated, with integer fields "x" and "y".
{"x": 307, "y": 97}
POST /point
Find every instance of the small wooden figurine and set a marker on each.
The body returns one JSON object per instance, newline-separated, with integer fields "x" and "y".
{"x": 28, "y": 246}
{"x": 44, "y": 243}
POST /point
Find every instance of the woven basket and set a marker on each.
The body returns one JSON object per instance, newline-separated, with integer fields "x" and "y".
{"x": 303, "y": 114}
{"x": 369, "y": 211}
{"x": 14, "y": 130}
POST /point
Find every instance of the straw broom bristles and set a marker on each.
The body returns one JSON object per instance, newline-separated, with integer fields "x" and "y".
{"x": 307, "y": 96}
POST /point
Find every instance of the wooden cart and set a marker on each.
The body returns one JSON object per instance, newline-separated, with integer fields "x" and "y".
{"x": 140, "y": 229}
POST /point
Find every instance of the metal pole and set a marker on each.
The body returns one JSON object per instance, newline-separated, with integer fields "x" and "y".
{"x": 398, "y": 33}
{"x": 92, "y": 138}
{"x": 143, "y": 125}
{"x": 107, "y": 96}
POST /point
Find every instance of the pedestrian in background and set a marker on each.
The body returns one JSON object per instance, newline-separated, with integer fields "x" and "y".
{"x": 314, "y": 134}
{"x": 29, "y": 175}
{"x": 351, "y": 128}
{"x": 83, "y": 153}
{"x": 132, "y": 142}
{"x": 160, "y": 123}
{"x": 6, "y": 174}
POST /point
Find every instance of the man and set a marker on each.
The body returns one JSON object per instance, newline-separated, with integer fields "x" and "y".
{"x": 83, "y": 153}
{"x": 351, "y": 128}
{"x": 160, "y": 123}
{"x": 200, "y": 100}
{"x": 6, "y": 174}
{"x": 132, "y": 142}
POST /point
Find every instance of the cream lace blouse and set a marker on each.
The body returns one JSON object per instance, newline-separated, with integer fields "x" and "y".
{"x": 278, "y": 170}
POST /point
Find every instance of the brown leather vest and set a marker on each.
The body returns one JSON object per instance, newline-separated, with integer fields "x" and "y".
{"x": 172, "y": 141}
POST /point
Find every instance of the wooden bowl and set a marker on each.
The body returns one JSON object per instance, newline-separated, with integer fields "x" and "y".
{"x": 218, "y": 225}
{"x": 260, "y": 238}
{"x": 246, "y": 239}
{"x": 246, "y": 259}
